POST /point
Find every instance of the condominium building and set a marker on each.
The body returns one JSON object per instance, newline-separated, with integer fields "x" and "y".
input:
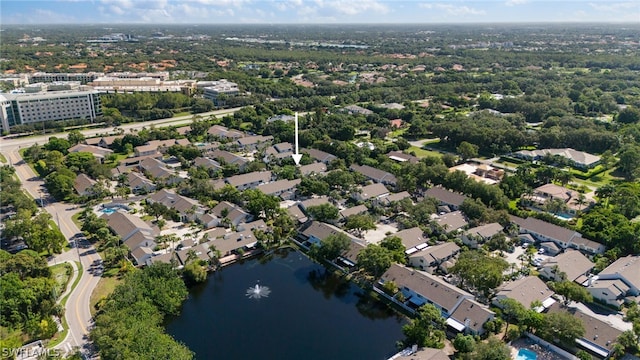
{"x": 25, "y": 109}
{"x": 214, "y": 88}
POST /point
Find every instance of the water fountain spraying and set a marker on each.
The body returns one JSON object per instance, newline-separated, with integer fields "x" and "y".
{"x": 257, "y": 292}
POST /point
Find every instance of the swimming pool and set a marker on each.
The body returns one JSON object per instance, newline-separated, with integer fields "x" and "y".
{"x": 108, "y": 211}
{"x": 526, "y": 354}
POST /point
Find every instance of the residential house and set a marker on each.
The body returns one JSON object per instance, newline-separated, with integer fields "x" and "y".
{"x": 471, "y": 317}
{"x": 158, "y": 170}
{"x": 394, "y": 197}
{"x": 135, "y": 161}
{"x": 375, "y": 175}
{"x": 550, "y": 248}
{"x": 184, "y": 130}
{"x": 252, "y": 143}
{"x": 612, "y": 292}
{"x": 314, "y": 168}
{"x": 98, "y": 152}
{"x": 278, "y": 152}
{"x": 189, "y": 209}
{"x": 233, "y": 242}
{"x": 224, "y": 133}
{"x": 253, "y": 226}
{"x": 314, "y": 201}
{"x": 622, "y": 278}
{"x": 548, "y": 192}
{"x": 399, "y": 156}
{"x": 207, "y": 163}
{"x": 103, "y": 142}
{"x": 356, "y": 110}
{"x": 413, "y": 239}
{"x": 434, "y": 258}
{"x": 543, "y": 231}
{"x": 285, "y": 189}
{"x": 141, "y": 255}
{"x": 166, "y": 258}
{"x": 480, "y": 234}
{"x": 354, "y": 210}
{"x": 570, "y": 265}
{"x": 480, "y": 172}
{"x": 138, "y": 183}
{"x": 317, "y": 231}
{"x": 145, "y": 150}
{"x": 451, "y": 222}
{"x": 370, "y": 192}
{"x": 229, "y": 158}
{"x": 250, "y": 180}
{"x": 599, "y": 336}
{"x": 445, "y": 197}
{"x": 234, "y": 214}
{"x": 320, "y": 155}
{"x": 129, "y": 226}
{"x": 420, "y": 288}
{"x": 200, "y": 252}
{"x": 83, "y": 185}
{"x": 579, "y": 159}
{"x": 349, "y": 258}
{"x": 296, "y": 213}
{"x": 427, "y": 354}
{"x": 526, "y": 291}
{"x": 396, "y": 123}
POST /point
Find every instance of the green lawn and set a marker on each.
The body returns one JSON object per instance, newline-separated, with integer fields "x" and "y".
{"x": 60, "y": 274}
{"x": 3, "y": 159}
{"x": 76, "y": 219}
{"x": 422, "y": 152}
{"x": 105, "y": 287}
{"x": 184, "y": 113}
{"x": 59, "y": 337}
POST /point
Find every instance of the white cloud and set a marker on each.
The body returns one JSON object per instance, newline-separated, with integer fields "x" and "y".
{"x": 453, "y": 10}
{"x": 515, "y": 2}
{"x": 614, "y": 7}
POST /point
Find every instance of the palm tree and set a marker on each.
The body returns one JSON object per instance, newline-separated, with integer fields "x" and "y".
{"x": 215, "y": 255}
{"x": 191, "y": 256}
{"x": 605, "y": 192}
{"x": 581, "y": 200}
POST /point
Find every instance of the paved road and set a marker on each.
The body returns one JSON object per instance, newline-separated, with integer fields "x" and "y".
{"x": 77, "y": 307}
{"x": 9, "y": 144}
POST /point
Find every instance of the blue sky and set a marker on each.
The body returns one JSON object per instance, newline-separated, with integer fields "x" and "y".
{"x": 313, "y": 11}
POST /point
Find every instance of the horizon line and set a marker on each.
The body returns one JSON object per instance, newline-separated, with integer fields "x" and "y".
{"x": 336, "y": 23}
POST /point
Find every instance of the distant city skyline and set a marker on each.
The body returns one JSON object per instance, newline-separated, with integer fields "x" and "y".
{"x": 313, "y": 11}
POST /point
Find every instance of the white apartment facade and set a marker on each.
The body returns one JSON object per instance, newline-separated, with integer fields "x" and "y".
{"x": 35, "y": 108}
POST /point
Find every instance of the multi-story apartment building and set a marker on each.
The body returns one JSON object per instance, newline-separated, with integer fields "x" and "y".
{"x": 34, "y": 108}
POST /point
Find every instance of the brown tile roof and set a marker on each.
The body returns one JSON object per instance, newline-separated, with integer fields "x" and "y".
{"x": 571, "y": 262}
{"x": 373, "y": 191}
{"x": 445, "y": 196}
{"x": 374, "y": 174}
{"x": 411, "y": 237}
{"x": 430, "y": 287}
{"x": 252, "y": 177}
{"x": 627, "y": 267}
{"x": 82, "y": 183}
{"x": 525, "y": 291}
{"x": 551, "y": 231}
{"x": 475, "y": 313}
{"x": 437, "y": 253}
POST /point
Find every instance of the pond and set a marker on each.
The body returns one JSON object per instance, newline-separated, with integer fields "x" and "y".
{"x": 297, "y": 311}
